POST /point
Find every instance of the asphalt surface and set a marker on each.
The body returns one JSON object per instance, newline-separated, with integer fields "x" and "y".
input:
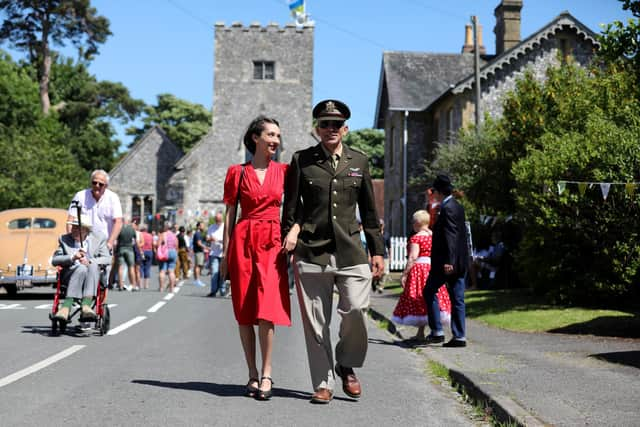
{"x": 181, "y": 364}
{"x": 537, "y": 379}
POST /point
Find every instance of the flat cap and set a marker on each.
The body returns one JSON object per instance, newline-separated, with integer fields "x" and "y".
{"x": 331, "y": 109}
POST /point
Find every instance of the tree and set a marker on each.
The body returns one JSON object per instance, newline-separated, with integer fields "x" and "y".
{"x": 578, "y": 247}
{"x": 621, "y": 44}
{"x": 33, "y": 26}
{"x": 88, "y": 107}
{"x": 183, "y": 121}
{"x": 38, "y": 167}
{"x": 371, "y": 142}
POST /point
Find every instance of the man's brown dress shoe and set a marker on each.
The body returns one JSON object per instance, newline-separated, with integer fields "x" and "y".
{"x": 322, "y": 395}
{"x": 350, "y": 384}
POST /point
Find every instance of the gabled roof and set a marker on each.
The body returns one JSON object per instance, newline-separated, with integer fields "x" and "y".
{"x": 192, "y": 152}
{"x": 562, "y": 22}
{"x": 411, "y": 81}
{"x": 140, "y": 145}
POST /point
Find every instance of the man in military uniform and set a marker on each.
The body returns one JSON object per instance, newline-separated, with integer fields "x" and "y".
{"x": 325, "y": 184}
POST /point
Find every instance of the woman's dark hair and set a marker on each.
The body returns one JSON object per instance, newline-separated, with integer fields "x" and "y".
{"x": 255, "y": 128}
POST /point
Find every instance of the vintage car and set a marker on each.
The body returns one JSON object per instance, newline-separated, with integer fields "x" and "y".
{"x": 28, "y": 239}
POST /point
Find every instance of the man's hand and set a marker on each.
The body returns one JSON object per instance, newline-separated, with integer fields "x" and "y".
{"x": 377, "y": 266}
{"x": 110, "y": 245}
{"x": 448, "y": 269}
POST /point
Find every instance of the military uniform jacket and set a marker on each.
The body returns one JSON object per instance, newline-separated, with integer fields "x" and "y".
{"x": 323, "y": 202}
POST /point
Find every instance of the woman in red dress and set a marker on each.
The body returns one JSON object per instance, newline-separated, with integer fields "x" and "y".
{"x": 253, "y": 251}
{"x": 411, "y": 308}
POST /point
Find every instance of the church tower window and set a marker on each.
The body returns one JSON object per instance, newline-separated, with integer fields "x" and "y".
{"x": 264, "y": 70}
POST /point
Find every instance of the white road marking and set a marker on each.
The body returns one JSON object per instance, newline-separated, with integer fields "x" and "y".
{"x": 11, "y": 306}
{"x": 176, "y": 290}
{"x": 50, "y": 305}
{"x": 40, "y": 365}
{"x": 126, "y": 325}
{"x": 169, "y": 296}
{"x": 156, "y": 307}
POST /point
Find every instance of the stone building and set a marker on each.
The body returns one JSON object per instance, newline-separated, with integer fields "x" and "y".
{"x": 425, "y": 98}
{"x": 140, "y": 177}
{"x": 258, "y": 70}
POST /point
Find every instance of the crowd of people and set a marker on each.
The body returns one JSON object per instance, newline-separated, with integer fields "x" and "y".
{"x": 314, "y": 217}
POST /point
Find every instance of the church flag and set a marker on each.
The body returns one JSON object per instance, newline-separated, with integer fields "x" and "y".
{"x": 296, "y": 7}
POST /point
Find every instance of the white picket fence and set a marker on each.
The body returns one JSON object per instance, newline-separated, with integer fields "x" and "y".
{"x": 398, "y": 253}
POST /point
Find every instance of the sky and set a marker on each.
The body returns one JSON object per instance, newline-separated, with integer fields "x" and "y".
{"x": 167, "y": 46}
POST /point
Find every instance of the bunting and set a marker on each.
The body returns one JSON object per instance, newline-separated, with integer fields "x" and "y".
{"x": 605, "y": 187}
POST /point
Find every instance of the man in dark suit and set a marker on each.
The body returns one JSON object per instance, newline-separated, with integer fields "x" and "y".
{"x": 324, "y": 185}
{"x": 449, "y": 262}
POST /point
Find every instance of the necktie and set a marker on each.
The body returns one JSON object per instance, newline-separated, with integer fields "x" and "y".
{"x": 335, "y": 159}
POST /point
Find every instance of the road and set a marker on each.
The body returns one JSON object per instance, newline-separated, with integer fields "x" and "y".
{"x": 175, "y": 359}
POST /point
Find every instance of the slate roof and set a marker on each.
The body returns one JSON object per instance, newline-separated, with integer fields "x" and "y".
{"x": 411, "y": 81}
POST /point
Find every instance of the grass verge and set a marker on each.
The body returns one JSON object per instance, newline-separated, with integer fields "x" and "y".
{"x": 521, "y": 310}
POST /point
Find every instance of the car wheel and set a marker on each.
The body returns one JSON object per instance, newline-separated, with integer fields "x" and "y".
{"x": 11, "y": 289}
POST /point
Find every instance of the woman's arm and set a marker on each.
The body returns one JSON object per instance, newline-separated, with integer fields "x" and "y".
{"x": 414, "y": 250}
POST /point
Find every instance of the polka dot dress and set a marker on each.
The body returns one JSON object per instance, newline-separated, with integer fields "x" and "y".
{"x": 411, "y": 309}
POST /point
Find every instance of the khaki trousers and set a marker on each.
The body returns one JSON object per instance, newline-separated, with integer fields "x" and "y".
{"x": 315, "y": 285}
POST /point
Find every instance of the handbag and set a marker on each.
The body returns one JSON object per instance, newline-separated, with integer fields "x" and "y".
{"x": 232, "y": 224}
{"x": 162, "y": 254}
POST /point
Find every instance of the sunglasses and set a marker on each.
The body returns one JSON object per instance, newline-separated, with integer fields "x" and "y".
{"x": 98, "y": 184}
{"x": 335, "y": 124}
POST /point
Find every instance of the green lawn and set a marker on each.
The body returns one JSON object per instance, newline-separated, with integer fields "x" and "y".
{"x": 520, "y": 310}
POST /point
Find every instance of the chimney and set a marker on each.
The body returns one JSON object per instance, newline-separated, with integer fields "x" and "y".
{"x": 468, "y": 40}
{"x": 507, "y": 27}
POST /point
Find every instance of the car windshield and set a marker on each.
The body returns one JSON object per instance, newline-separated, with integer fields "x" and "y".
{"x": 25, "y": 223}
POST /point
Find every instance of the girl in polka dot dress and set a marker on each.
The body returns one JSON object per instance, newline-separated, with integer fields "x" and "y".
{"x": 411, "y": 309}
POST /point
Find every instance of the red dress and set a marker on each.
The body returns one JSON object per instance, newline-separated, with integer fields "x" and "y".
{"x": 411, "y": 308}
{"x": 257, "y": 267}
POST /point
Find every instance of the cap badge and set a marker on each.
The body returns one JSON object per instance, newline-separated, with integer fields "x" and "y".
{"x": 330, "y": 107}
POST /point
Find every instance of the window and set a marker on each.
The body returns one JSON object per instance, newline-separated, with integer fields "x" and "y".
{"x": 44, "y": 223}
{"x": 264, "y": 70}
{"x": 20, "y": 224}
{"x": 565, "y": 49}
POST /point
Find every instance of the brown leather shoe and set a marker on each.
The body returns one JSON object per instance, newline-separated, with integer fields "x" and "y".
{"x": 350, "y": 384}
{"x": 322, "y": 395}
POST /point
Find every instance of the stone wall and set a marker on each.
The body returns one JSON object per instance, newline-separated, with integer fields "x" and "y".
{"x": 239, "y": 98}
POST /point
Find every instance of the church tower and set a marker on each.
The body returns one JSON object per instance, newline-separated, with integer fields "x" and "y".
{"x": 258, "y": 71}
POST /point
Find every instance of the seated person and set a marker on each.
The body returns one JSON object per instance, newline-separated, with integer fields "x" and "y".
{"x": 80, "y": 253}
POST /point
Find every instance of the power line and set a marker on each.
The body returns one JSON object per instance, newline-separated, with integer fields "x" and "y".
{"x": 438, "y": 10}
{"x": 191, "y": 14}
{"x": 335, "y": 27}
